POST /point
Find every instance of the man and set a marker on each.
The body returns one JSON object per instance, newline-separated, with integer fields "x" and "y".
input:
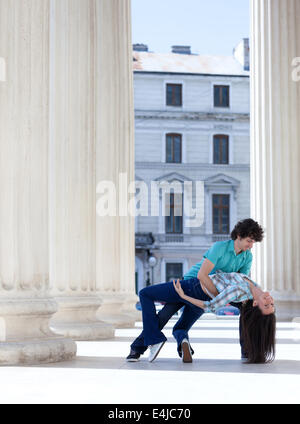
{"x": 227, "y": 256}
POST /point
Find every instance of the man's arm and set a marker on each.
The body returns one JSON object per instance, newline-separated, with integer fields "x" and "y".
{"x": 230, "y": 294}
{"x": 203, "y": 276}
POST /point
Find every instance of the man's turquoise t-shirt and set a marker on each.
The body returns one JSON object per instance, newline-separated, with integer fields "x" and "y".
{"x": 223, "y": 256}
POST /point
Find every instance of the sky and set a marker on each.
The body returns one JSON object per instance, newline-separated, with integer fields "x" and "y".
{"x": 210, "y": 27}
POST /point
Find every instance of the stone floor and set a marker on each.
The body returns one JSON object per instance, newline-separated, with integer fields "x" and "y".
{"x": 99, "y": 374}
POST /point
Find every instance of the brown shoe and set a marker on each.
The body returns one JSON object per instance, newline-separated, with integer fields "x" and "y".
{"x": 186, "y": 351}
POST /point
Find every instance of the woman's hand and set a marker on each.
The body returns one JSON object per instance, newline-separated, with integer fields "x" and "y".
{"x": 197, "y": 302}
{"x": 178, "y": 288}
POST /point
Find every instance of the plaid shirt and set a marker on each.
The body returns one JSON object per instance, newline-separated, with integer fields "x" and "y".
{"x": 231, "y": 287}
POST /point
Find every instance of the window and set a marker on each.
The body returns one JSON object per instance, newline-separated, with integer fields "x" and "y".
{"x": 173, "y": 271}
{"x": 221, "y": 143}
{"x": 221, "y": 95}
{"x": 174, "y": 219}
{"x": 220, "y": 213}
{"x": 173, "y": 148}
{"x": 174, "y": 94}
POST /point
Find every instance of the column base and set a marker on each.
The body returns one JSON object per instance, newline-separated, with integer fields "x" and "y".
{"x": 85, "y": 331}
{"x": 76, "y": 318}
{"x": 32, "y": 352}
{"x": 129, "y": 307}
{"x": 25, "y": 335}
{"x": 296, "y": 322}
{"x": 111, "y": 311}
{"x": 287, "y": 310}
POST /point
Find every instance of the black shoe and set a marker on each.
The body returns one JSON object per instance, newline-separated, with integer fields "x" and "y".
{"x": 186, "y": 351}
{"x": 133, "y": 356}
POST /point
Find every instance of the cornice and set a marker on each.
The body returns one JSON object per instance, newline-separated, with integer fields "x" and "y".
{"x": 192, "y": 166}
{"x": 192, "y": 116}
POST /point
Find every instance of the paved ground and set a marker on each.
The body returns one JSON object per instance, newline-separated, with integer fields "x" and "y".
{"x": 99, "y": 374}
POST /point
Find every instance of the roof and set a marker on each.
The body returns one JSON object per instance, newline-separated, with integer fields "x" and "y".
{"x": 187, "y": 64}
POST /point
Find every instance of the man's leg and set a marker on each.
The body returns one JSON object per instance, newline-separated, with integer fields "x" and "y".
{"x": 164, "y": 315}
{"x": 189, "y": 316}
{"x": 243, "y": 352}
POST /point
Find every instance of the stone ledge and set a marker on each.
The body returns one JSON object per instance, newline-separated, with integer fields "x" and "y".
{"x": 30, "y": 352}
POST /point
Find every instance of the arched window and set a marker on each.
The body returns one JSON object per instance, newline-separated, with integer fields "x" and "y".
{"x": 221, "y": 149}
{"x": 173, "y": 148}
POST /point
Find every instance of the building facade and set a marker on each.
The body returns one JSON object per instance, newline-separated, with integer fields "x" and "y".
{"x": 192, "y": 124}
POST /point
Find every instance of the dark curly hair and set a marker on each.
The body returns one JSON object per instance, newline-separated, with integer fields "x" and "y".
{"x": 258, "y": 333}
{"x": 248, "y": 228}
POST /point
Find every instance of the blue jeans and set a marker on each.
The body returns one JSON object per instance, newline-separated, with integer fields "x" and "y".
{"x": 153, "y": 323}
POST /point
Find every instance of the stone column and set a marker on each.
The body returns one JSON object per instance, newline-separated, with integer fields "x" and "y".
{"x": 115, "y": 163}
{"x": 25, "y": 305}
{"x": 275, "y": 151}
{"x": 73, "y": 76}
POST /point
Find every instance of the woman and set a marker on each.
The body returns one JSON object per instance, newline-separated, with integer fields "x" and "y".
{"x": 257, "y": 312}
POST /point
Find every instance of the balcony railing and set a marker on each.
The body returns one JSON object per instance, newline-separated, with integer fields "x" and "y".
{"x": 220, "y": 237}
{"x": 173, "y": 238}
{"x": 188, "y": 238}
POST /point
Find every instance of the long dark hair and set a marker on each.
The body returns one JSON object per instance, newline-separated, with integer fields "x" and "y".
{"x": 258, "y": 333}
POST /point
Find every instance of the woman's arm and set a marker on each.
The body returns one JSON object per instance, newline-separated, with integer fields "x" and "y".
{"x": 196, "y": 302}
{"x": 230, "y": 294}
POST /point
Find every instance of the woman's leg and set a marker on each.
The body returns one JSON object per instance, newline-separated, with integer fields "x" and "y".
{"x": 158, "y": 292}
{"x": 164, "y": 316}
